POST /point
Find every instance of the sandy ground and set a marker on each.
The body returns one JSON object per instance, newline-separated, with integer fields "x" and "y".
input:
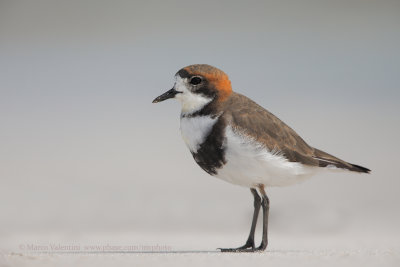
{"x": 148, "y": 249}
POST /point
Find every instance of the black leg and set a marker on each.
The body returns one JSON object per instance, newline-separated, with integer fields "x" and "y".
{"x": 265, "y": 206}
{"x": 257, "y": 205}
{"x": 249, "y": 246}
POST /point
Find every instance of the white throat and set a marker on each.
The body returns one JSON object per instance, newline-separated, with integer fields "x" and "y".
{"x": 191, "y": 102}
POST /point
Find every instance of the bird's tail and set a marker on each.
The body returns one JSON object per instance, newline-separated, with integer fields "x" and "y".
{"x": 358, "y": 168}
{"x": 326, "y": 160}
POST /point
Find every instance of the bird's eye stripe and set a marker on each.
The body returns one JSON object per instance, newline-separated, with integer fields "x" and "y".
{"x": 195, "y": 80}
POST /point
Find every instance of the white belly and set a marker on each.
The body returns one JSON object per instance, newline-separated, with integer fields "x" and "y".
{"x": 249, "y": 164}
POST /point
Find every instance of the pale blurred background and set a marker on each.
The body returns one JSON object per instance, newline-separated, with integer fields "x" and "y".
{"x": 84, "y": 151}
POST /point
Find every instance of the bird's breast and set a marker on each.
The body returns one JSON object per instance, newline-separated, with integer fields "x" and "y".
{"x": 195, "y": 130}
{"x": 204, "y": 136}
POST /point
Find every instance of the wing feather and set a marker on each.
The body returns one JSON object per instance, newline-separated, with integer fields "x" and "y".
{"x": 250, "y": 118}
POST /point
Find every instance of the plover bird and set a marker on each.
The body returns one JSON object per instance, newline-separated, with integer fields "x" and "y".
{"x": 233, "y": 138}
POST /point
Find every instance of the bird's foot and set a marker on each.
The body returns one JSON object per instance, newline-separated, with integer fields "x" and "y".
{"x": 248, "y": 247}
{"x": 258, "y": 249}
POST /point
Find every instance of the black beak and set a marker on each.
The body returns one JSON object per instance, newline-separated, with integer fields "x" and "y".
{"x": 168, "y": 94}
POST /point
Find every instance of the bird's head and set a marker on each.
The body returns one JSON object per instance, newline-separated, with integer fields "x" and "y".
{"x": 196, "y": 86}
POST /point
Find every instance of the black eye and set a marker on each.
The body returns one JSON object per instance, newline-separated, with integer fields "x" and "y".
{"x": 195, "y": 80}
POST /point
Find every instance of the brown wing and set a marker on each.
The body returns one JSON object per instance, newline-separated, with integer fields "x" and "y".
{"x": 252, "y": 119}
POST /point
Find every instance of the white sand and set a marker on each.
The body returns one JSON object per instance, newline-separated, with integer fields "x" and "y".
{"x": 199, "y": 250}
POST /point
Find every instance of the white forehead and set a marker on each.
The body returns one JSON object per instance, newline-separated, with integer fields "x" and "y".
{"x": 180, "y": 83}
